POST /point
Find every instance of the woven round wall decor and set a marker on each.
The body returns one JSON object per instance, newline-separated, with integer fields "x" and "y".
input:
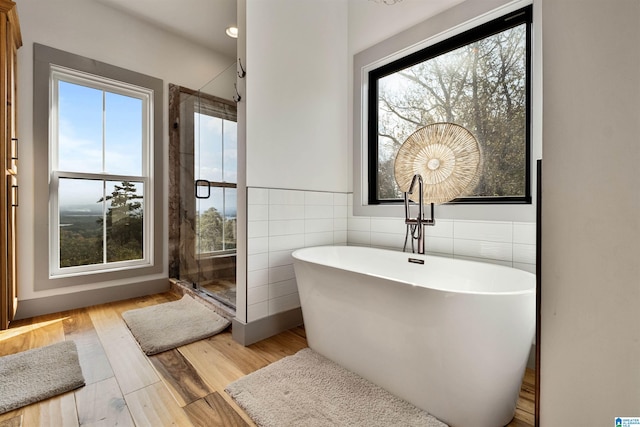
{"x": 448, "y": 158}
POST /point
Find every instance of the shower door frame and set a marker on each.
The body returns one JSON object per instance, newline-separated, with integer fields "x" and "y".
{"x": 178, "y": 125}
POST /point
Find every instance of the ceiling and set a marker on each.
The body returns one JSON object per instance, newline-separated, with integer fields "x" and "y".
{"x": 204, "y": 21}
{"x": 201, "y": 21}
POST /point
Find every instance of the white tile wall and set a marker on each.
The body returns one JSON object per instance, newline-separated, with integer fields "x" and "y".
{"x": 490, "y": 231}
{"x": 281, "y": 221}
{"x": 500, "y": 242}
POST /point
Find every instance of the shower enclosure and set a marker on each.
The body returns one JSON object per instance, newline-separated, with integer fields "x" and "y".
{"x": 203, "y": 193}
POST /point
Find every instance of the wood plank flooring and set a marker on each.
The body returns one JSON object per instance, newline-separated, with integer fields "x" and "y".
{"x": 181, "y": 387}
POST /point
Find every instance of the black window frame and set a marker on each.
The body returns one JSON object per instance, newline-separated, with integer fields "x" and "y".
{"x": 503, "y": 23}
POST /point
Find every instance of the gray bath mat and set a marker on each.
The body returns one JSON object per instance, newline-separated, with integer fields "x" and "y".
{"x": 165, "y": 326}
{"x": 307, "y": 389}
{"x": 38, "y": 374}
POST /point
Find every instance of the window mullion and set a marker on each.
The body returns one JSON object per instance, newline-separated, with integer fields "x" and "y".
{"x": 104, "y": 131}
{"x": 104, "y": 222}
{"x": 224, "y": 208}
{"x": 104, "y": 182}
{"x": 54, "y": 214}
{"x": 222, "y": 149}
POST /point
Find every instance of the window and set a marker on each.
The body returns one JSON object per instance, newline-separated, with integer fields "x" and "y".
{"x": 100, "y": 143}
{"x": 215, "y": 170}
{"x": 98, "y": 172}
{"x": 479, "y": 79}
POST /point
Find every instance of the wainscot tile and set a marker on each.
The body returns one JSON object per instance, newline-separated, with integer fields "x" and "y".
{"x": 318, "y": 239}
{"x": 279, "y": 258}
{"x": 359, "y": 223}
{"x": 284, "y": 228}
{"x": 257, "y": 196}
{"x": 281, "y": 273}
{"x": 524, "y": 253}
{"x": 286, "y": 212}
{"x": 257, "y": 311}
{"x": 340, "y": 199}
{"x": 286, "y": 197}
{"x": 257, "y": 245}
{"x": 281, "y": 243}
{"x": 257, "y": 294}
{"x": 524, "y": 232}
{"x": 483, "y": 249}
{"x": 256, "y": 278}
{"x": 257, "y": 229}
{"x": 280, "y": 289}
{"x": 318, "y": 198}
{"x": 284, "y": 303}
{"x": 491, "y": 231}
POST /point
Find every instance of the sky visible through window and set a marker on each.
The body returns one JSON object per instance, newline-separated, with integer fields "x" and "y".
{"x": 216, "y": 159}
{"x": 99, "y": 132}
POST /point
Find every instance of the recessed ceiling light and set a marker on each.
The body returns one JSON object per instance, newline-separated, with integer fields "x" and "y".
{"x": 232, "y": 32}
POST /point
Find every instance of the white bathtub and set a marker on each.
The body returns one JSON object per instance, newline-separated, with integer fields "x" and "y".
{"x": 450, "y": 336}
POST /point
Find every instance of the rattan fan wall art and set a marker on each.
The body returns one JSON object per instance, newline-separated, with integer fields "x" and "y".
{"x": 446, "y": 155}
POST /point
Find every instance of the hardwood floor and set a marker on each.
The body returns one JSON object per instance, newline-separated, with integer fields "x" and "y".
{"x": 180, "y": 387}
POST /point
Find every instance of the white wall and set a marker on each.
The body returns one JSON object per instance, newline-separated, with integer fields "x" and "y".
{"x": 508, "y": 243}
{"x": 590, "y": 212}
{"x": 295, "y": 137}
{"x": 285, "y": 171}
{"x": 297, "y": 94}
{"x": 90, "y": 29}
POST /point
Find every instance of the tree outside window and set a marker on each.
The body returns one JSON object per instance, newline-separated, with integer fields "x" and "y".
{"x": 101, "y": 146}
{"x": 478, "y": 81}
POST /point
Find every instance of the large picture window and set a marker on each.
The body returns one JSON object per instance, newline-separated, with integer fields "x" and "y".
{"x": 100, "y": 138}
{"x": 98, "y": 173}
{"x": 480, "y": 80}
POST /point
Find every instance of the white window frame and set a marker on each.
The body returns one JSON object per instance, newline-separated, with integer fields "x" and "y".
{"x": 146, "y": 95}
{"x": 203, "y": 110}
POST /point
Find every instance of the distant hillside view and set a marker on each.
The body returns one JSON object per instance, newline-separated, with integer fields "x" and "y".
{"x": 215, "y": 233}
{"x": 81, "y": 238}
{"x": 83, "y": 229}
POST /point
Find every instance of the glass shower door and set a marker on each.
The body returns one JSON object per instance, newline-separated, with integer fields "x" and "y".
{"x": 203, "y": 188}
{"x": 215, "y": 176}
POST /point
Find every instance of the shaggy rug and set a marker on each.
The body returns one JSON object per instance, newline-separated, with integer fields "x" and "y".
{"x": 169, "y": 325}
{"x": 307, "y": 389}
{"x": 38, "y": 374}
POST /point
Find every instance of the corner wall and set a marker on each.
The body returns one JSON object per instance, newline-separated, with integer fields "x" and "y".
{"x": 296, "y": 94}
{"x": 590, "y": 343}
{"x": 294, "y": 130}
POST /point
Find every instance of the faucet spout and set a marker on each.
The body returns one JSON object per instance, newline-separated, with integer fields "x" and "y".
{"x": 415, "y": 226}
{"x": 416, "y": 178}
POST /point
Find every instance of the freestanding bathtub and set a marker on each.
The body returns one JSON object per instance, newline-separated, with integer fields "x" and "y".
{"x": 450, "y": 336}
